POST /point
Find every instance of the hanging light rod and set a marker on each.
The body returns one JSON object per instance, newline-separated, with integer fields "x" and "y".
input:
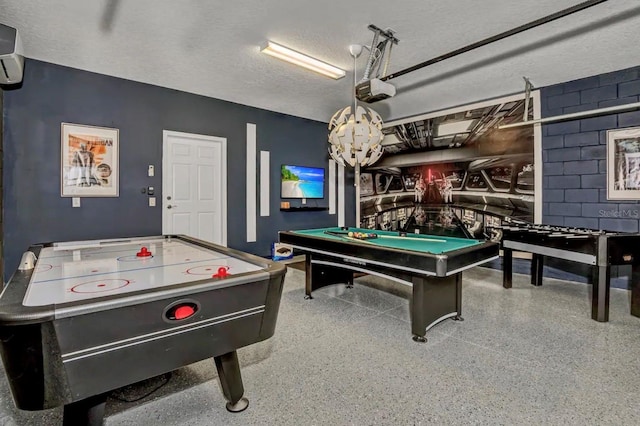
{"x": 574, "y": 115}
{"x": 302, "y": 60}
{"x": 533, "y": 24}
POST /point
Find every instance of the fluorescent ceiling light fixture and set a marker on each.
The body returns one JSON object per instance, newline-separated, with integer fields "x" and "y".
{"x": 297, "y": 58}
{"x": 446, "y": 129}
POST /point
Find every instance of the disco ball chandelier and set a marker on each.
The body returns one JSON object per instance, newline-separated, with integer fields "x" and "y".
{"x": 355, "y": 138}
{"x": 355, "y": 132}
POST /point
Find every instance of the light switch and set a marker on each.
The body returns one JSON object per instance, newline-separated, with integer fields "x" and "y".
{"x": 75, "y": 201}
{"x": 152, "y": 201}
{"x": 151, "y": 170}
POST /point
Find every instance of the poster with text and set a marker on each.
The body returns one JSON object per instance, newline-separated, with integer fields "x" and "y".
{"x": 89, "y": 161}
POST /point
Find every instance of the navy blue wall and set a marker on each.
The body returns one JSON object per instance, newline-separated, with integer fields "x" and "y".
{"x": 574, "y": 155}
{"x": 52, "y": 94}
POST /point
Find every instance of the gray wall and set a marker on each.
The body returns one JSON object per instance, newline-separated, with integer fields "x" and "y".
{"x": 574, "y": 161}
{"x": 574, "y": 152}
{"x": 51, "y": 94}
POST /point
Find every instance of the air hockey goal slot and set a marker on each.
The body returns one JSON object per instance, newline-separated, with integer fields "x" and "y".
{"x": 28, "y": 261}
{"x": 180, "y": 310}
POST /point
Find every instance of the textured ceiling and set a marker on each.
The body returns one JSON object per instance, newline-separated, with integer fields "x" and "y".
{"x": 212, "y": 48}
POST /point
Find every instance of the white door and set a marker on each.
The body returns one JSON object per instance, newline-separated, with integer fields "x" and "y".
{"x": 194, "y": 186}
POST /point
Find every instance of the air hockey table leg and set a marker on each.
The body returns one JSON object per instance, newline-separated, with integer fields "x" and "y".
{"x": 89, "y": 412}
{"x": 231, "y": 381}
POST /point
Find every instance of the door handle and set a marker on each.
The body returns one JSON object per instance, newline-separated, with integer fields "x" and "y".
{"x": 170, "y": 206}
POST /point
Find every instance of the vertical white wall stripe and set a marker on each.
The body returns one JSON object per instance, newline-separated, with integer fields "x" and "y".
{"x": 264, "y": 183}
{"x": 537, "y": 158}
{"x": 332, "y": 187}
{"x": 341, "y": 207}
{"x": 251, "y": 183}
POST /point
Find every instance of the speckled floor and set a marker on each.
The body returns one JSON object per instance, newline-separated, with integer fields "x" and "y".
{"x": 522, "y": 356}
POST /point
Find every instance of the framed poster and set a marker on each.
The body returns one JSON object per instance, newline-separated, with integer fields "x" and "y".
{"x": 623, "y": 164}
{"x": 89, "y": 161}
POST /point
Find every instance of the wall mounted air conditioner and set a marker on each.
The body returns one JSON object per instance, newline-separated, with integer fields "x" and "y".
{"x": 11, "y": 59}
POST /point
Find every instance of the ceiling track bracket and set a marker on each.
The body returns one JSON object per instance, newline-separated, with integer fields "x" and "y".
{"x": 527, "y": 98}
{"x": 379, "y": 48}
{"x": 575, "y": 115}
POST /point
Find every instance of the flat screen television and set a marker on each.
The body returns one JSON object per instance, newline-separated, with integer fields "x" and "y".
{"x": 301, "y": 182}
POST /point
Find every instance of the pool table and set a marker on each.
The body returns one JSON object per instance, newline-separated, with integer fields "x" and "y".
{"x": 431, "y": 265}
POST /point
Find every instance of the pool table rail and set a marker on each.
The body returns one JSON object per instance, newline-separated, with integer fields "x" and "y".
{"x": 421, "y": 262}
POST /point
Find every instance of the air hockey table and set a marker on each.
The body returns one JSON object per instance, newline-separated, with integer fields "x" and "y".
{"x": 80, "y": 319}
{"x": 431, "y": 264}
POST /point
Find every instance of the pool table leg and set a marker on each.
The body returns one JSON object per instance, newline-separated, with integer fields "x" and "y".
{"x": 89, "y": 411}
{"x": 320, "y": 275}
{"x": 458, "y": 317}
{"x": 307, "y": 277}
{"x": 434, "y": 299}
{"x": 350, "y": 282}
{"x": 417, "y": 311}
{"x": 231, "y": 381}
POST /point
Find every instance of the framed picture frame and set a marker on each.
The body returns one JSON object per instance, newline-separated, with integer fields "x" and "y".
{"x": 623, "y": 164}
{"x": 89, "y": 157}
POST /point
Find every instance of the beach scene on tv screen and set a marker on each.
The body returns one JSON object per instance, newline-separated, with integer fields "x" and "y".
{"x": 302, "y": 182}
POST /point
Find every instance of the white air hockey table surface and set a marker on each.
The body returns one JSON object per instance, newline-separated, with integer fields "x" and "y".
{"x": 81, "y": 270}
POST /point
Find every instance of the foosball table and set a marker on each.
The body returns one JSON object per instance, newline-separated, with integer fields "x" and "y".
{"x": 599, "y": 249}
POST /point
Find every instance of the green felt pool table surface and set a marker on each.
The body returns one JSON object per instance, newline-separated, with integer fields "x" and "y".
{"x": 434, "y": 244}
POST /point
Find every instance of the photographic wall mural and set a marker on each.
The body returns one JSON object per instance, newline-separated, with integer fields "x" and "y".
{"x": 456, "y": 166}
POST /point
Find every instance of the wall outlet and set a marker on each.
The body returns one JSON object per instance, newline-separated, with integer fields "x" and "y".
{"x": 151, "y": 171}
{"x": 75, "y": 201}
{"x": 152, "y": 201}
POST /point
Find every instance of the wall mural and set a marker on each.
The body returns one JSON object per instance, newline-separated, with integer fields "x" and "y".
{"x": 454, "y": 166}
